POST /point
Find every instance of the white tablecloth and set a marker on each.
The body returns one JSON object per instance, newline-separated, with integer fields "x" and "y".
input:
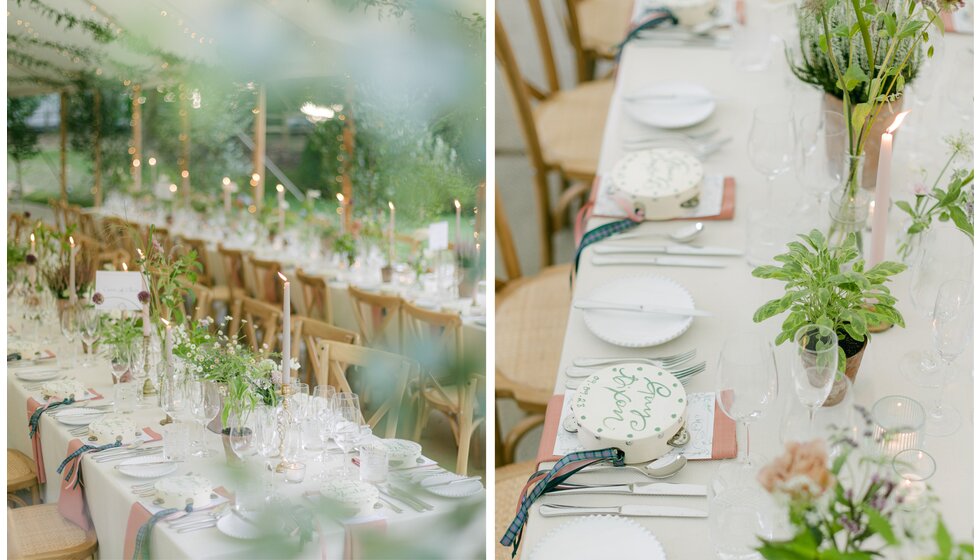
{"x": 732, "y": 295}
{"x": 110, "y": 498}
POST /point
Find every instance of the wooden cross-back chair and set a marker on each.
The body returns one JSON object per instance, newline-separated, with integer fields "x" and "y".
{"x": 438, "y": 336}
{"x": 316, "y": 296}
{"x": 18, "y": 225}
{"x": 562, "y": 129}
{"x": 115, "y": 233}
{"x": 374, "y": 314}
{"x": 103, "y": 255}
{"x": 266, "y": 285}
{"x": 595, "y": 29}
{"x": 531, "y": 316}
{"x": 87, "y": 225}
{"x": 40, "y": 532}
{"x": 306, "y": 334}
{"x": 206, "y": 285}
{"x": 261, "y": 322}
{"x": 233, "y": 261}
{"x": 387, "y": 375}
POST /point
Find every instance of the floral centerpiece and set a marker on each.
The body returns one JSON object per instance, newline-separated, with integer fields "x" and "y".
{"x": 169, "y": 276}
{"x": 954, "y": 203}
{"x": 855, "y": 507}
{"x": 869, "y": 46}
{"x": 828, "y": 285}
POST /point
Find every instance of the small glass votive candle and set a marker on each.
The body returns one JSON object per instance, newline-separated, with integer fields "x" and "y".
{"x": 898, "y": 424}
{"x": 374, "y": 463}
{"x": 915, "y": 467}
{"x": 295, "y": 472}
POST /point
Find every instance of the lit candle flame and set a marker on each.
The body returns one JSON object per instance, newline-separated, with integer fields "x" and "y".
{"x": 255, "y": 176}
{"x": 152, "y": 161}
{"x": 226, "y": 181}
{"x": 391, "y": 205}
{"x": 897, "y": 122}
{"x": 139, "y": 252}
{"x": 340, "y": 198}
{"x": 283, "y": 277}
{"x": 165, "y": 322}
{"x": 32, "y": 238}
{"x": 456, "y": 202}
{"x": 125, "y": 268}
{"x": 280, "y": 188}
{"x": 71, "y": 240}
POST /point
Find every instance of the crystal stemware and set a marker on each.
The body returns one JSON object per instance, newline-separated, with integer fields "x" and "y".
{"x": 91, "y": 331}
{"x": 69, "y": 321}
{"x": 772, "y": 143}
{"x": 815, "y": 366}
{"x": 952, "y": 334}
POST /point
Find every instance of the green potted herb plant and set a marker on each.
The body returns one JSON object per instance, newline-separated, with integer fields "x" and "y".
{"x": 828, "y": 285}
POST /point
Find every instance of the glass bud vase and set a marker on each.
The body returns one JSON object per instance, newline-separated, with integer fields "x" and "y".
{"x": 849, "y": 204}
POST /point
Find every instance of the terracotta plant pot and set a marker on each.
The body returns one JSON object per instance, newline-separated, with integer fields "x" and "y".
{"x": 386, "y": 274}
{"x": 851, "y": 367}
{"x": 872, "y": 145}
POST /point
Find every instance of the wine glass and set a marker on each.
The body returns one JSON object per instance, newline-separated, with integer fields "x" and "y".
{"x": 119, "y": 361}
{"x": 952, "y": 334}
{"x": 822, "y": 134}
{"x": 267, "y": 443}
{"x": 173, "y": 396}
{"x": 204, "y": 405}
{"x": 772, "y": 142}
{"x": 91, "y": 331}
{"x": 747, "y": 384}
{"x": 241, "y": 435}
{"x": 347, "y": 427}
{"x": 140, "y": 366}
{"x": 69, "y": 321}
{"x": 944, "y": 254}
{"x": 815, "y": 366}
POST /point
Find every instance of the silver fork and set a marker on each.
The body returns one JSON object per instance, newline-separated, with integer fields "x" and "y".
{"x": 703, "y": 135}
{"x": 684, "y": 375}
{"x": 699, "y": 149}
{"x": 663, "y": 361}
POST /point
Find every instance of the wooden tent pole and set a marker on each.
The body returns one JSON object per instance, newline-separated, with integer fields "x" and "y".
{"x": 64, "y": 146}
{"x": 97, "y": 148}
{"x": 258, "y": 154}
{"x": 137, "y": 165}
{"x": 184, "y": 161}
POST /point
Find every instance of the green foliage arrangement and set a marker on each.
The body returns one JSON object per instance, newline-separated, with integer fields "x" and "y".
{"x": 346, "y": 245}
{"x": 22, "y": 139}
{"x": 120, "y": 332}
{"x": 111, "y": 123}
{"x": 249, "y": 377}
{"x": 854, "y": 508}
{"x": 170, "y": 274}
{"x": 955, "y": 202}
{"x": 829, "y": 286}
{"x": 16, "y": 256}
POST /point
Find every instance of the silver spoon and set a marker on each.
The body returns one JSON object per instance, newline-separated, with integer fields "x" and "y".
{"x": 684, "y": 234}
{"x": 665, "y": 467}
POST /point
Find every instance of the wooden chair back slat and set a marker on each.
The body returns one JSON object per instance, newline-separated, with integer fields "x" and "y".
{"x": 260, "y": 322}
{"x": 374, "y": 314}
{"x": 316, "y": 296}
{"x": 307, "y": 332}
{"x": 265, "y": 277}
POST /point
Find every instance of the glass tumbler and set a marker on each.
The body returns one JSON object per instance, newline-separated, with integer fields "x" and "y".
{"x": 898, "y": 424}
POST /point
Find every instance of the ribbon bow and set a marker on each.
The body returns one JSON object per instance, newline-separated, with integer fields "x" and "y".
{"x": 651, "y": 17}
{"x": 634, "y": 217}
{"x": 542, "y": 484}
{"x": 76, "y": 456}
{"x": 36, "y": 415}
{"x": 142, "y": 544}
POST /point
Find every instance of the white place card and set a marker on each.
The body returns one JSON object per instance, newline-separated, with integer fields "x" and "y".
{"x": 120, "y": 290}
{"x": 700, "y": 425}
{"x": 439, "y": 236}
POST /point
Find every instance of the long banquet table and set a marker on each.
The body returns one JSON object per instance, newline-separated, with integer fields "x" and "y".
{"x": 731, "y": 294}
{"x": 110, "y": 498}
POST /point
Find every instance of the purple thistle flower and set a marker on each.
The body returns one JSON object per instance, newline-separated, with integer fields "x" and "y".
{"x": 27, "y": 215}
{"x": 849, "y": 524}
{"x": 143, "y": 296}
{"x": 98, "y": 298}
{"x": 31, "y": 259}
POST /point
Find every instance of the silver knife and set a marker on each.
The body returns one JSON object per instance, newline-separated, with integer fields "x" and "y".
{"x": 667, "y": 249}
{"x": 641, "y": 489}
{"x": 641, "y": 308}
{"x": 555, "y": 510}
{"x": 605, "y": 260}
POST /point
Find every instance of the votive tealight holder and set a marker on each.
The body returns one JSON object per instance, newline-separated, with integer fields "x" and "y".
{"x": 898, "y": 424}
{"x": 915, "y": 466}
{"x": 295, "y": 472}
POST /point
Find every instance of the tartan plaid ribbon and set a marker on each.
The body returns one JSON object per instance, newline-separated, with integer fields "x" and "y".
{"x": 76, "y": 456}
{"x": 634, "y": 217}
{"x": 142, "y": 544}
{"x": 36, "y": 415}
{"x": 542, "y": 483}
{"x": 651, "y": 17}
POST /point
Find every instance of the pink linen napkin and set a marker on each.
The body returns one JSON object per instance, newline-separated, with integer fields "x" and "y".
{"x": 32, "y": 405}
{"x": 139, "y": 515}
{"x": 71, "y": 501}
{"x": 356, "y": 534}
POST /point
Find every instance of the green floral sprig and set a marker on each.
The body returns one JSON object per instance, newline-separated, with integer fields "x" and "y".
{"x": 955, "y": 202}
{"x": 828, "y": 286}
{"x": 169, "y": 274}
{"x": 347, "y": 246}
{"x": 855, "y": 507}
{"x": 119, "y": 332}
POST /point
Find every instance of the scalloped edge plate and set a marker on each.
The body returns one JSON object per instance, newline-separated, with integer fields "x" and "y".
{"x": 599, "y": 536}
{"x": 152, "y": 471}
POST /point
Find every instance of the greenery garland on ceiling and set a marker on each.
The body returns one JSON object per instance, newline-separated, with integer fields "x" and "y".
{"x": 83, "y": 55}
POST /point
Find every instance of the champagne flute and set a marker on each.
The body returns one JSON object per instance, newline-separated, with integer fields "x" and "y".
{"x": 347, "y": 427}
{"x": 815, "y": 366}
{"x": 952, "y": 334}
{"x": 91, "y": 331}
{"x": 119, "y": 361}
{"x": 69, "y": 329}
{"x": 747, "y": 384}
{"x": 772, "y": 143}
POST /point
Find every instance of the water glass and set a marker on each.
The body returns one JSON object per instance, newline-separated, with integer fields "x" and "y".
{"x": 126, "y": 396}
{"x": 915, "y": 467}
{"x": 822, "y": 136}
{"x": 176, "y": 441}
{"x": 898, "y": 424}
{"x": 814, "y": 366}
{"x": 374, "y": 463}
{"x": 952, "y": 334}
{"x": 738, "y": 517}
{"x": 752, "y": 43}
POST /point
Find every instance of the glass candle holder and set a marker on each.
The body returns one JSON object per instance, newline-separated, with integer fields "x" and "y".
{"x": 915, "y": 467}
{"x": 295, "y": 472}
{"x": 374, "y": 463}
{"x": 898, "y": 424}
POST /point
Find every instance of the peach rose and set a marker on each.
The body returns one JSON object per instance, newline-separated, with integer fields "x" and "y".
{"x": 801, "y": 472}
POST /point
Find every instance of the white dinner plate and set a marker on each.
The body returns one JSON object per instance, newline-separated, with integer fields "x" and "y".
{"x": 136, "y": 468}
{"x": 599, "y": 536}
{"x": 237, "y": 528}
{"x": 670, "y": 105}
{"x": 638, "y": 330}
{"x": 80, "y": 416}
{"x": 43, "y": 374}
{"x": 437, "y": 485}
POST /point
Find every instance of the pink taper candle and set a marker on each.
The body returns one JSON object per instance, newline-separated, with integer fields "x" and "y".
{"x": 879, "y": 224}
{"x": 287, "y": 357}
